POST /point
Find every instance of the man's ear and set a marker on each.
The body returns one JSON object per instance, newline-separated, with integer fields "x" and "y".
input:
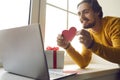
{"x": 98, "y": 14}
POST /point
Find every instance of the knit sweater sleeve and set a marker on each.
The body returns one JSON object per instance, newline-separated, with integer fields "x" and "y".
{"x": 81, "y": 59}
{"x": 112, "y": 52}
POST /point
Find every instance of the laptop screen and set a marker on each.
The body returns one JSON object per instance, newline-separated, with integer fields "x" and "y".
{"x": 22, "y": 51}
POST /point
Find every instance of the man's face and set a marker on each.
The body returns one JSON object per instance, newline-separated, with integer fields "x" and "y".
{"x": 87, "y": 16}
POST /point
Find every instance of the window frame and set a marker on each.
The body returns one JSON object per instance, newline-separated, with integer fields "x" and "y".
{"x": 37, "y": 14}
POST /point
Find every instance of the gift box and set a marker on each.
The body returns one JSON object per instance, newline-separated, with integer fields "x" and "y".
{"x": 55, "y": 58}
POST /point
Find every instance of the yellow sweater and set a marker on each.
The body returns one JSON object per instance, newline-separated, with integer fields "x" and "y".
{"x": 107, "y": 44}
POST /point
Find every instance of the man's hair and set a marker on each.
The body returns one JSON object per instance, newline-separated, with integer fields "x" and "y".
{"x": 94, "y": 5}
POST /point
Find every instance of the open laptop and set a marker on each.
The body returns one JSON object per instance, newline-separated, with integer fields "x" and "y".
{"x": 22, "y": 53}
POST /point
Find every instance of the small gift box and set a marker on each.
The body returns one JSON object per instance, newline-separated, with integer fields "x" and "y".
{"x": 55, "y": 58}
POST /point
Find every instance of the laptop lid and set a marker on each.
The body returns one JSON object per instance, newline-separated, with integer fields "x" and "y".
{"x": 23, "y": 52}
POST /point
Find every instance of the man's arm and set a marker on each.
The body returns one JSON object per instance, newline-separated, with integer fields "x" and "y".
{"x": 110, "y": 53}
{"x": 81, "y": 59}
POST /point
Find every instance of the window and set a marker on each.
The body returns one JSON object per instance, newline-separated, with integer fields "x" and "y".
{"x": 14, "y": 13}
{"x": 60, "y": 15}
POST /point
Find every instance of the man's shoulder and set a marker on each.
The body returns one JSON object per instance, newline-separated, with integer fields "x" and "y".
{"x": 110, "y": 18}
{"x": 111, "y": 23}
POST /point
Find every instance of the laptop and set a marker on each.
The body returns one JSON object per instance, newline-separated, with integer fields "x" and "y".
{"x": 22, "y": 53}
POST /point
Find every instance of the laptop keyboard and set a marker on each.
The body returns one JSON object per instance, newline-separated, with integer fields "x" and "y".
{"x": 54, "y": 74}
{"x": 57, "y": 74}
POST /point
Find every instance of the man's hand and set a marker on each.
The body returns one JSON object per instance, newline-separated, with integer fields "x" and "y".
{"x": 85, "y": 38}
{"x": 62, "y": 42}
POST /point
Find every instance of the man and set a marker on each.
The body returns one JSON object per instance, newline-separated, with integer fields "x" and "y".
{"x": 101, "y": 35}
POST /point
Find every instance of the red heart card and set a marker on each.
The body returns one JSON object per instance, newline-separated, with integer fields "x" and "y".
{"x": 69, "y": 34}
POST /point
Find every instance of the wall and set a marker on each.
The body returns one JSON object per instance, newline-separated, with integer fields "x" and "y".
{"x": 110, "y": 7}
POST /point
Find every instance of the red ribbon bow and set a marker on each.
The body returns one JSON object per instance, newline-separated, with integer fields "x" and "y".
{"x": 54, "y": 55}
{"x": 52, "y": 48}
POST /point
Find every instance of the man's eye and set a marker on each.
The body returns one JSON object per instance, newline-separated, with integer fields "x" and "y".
{"x": 86, "y": 11}
{"x": 79, "y": 13}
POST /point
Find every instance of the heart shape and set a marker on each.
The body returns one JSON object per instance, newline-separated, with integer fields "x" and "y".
{"x": 69, "y": 34}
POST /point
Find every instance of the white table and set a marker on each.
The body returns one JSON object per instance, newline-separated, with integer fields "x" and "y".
{"x": 92, "y": 72}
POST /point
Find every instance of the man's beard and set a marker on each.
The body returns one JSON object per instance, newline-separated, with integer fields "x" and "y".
{"x": 91, "y": 25}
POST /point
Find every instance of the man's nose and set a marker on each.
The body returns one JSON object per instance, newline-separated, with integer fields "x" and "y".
{"x": 82, "y": 16}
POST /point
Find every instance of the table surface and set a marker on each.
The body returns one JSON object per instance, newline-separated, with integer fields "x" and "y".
{"x": 93, "y": 70}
